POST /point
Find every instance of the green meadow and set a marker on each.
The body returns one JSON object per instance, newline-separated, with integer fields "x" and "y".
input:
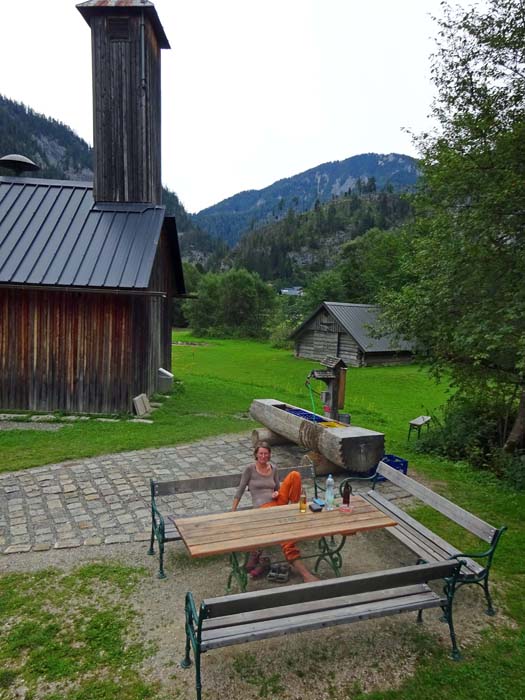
{"x": 217, "y": 380}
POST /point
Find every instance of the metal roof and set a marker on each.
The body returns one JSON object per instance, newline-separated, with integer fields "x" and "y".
{"x": 358, "y": 320}
{"x": 53, "y": 233}
{"x": 98, "y": 7}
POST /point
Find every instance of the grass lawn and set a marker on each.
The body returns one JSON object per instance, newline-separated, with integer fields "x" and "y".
{"x": 57, "y": 627}
{"x": 219, "y": 380}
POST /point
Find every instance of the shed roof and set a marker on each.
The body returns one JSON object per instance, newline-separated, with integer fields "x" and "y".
{"x": 52, "y": 232}
{"x": 358, "y": 320}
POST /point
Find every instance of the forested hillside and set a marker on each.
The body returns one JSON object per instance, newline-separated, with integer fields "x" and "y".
{"x": 60, "y": 153}
{"x": 252, "y": 209}
{"x": 289, "y": 251}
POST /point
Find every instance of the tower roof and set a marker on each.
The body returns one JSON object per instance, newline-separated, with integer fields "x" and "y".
{"x": 91, "y": 8}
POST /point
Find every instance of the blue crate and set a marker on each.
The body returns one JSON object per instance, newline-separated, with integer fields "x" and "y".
{"x": 397, "y": 463}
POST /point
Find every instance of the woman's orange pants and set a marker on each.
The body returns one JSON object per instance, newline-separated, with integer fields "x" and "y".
{"x": 289, "y": 492}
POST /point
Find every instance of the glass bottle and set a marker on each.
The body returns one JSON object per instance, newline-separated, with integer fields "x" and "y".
{"x": 346, "y": 494}
{"x": 347, "y": 490}
{"x": 302, "y": 501}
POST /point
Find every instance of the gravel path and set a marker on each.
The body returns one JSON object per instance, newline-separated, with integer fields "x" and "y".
{"x": 333, "y": 663}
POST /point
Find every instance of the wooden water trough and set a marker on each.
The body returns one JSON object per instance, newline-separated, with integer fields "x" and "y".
{"x": 353, "y": 448}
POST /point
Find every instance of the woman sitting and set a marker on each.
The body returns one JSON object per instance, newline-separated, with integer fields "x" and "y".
{"x": 266, "y": 491}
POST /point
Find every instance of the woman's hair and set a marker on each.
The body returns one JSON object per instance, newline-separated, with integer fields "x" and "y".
{"x": 260, "y": 444}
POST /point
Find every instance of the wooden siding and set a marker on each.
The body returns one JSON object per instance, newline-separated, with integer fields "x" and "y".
{"x": 304, "y": 345}
{"x": 126, "y": 114}
{"x": 349, "y": 351}
{"x": 319, "y": 338}
{"x": 163, "y": 280}
{"x": 324, "y": 323}
{"x": 387, "y": 358}
{"x": 80, "y": 352}
{"x": 317, "y": 344}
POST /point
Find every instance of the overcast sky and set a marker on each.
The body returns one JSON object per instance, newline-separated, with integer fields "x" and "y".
{"x": 253, "y": 90}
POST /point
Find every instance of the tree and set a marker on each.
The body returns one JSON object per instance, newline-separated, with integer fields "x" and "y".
{"x": 465, "y": 304}
{"x": 372, "y": 264}
{"x": 234, "y": 303}
{"x": 326, "y": 286}
{"x": 192, "y": 275}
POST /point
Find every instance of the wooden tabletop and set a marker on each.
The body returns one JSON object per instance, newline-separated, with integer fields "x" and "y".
{"x": 244, "y": 530}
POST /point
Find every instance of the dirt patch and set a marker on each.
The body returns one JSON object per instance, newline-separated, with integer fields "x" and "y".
{"x": 371, "y": 655}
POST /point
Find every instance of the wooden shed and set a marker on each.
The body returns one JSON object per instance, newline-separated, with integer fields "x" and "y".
{"x": 345, "y": 331}
{"x": 88, "y": 271}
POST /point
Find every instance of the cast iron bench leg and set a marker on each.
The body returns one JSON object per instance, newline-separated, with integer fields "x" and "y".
{"x": 490, "y": 608}
{"x": 151, "y": 550}
{"x": 238, "y": 572}
{"x": 161, "y": 573}
{"x": 331, "y": 553}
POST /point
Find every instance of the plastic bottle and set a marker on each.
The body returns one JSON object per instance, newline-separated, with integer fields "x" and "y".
{"x": 329, "y": 493}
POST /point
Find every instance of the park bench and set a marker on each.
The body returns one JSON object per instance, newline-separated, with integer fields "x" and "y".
{"x": 247, "y": 617}
{"x": 417, "y": 423}
{"x": 162, "y": 528}
{"x": 428, "y": 546}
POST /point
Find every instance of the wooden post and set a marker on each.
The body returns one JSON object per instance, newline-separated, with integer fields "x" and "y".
{"x": 266, "y": 435}
{"x": 321, "y": 464}
{"x": 351, "y": 447}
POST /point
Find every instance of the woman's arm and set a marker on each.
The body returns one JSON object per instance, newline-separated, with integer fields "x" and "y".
{"x": 277, "y": 483}
{"x": 245, "y": 478}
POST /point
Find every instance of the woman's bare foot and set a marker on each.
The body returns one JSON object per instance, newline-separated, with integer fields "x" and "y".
{"x": 301, "y": 569}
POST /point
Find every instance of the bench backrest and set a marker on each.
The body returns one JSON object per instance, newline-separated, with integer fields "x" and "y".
{"x": 332, "y": 588}
{"x": 211, "y": 483}
{"x": 460, "y": 516}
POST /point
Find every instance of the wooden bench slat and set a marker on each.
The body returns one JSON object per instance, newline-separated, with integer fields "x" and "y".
{"x": 420, "y": 539}
{"x": 424, "y": 549}
{"x": 310, "y": 607}
{"x": 203, "y": 483}
{"x": 331, "y": 588}
{"x": 459, "y": 515}
{"x": 420, "y": 421}
{"x": 217, "y": 482}
{"x": 411, "y": 523}
{"x": 299, "y": 623}
{"x": 416, "y": 545}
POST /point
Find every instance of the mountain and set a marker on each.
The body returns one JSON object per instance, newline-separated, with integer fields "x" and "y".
{"x": 60, "y": 153}
{"x": 249, "y": 210}
{"x": 289, "y": 251}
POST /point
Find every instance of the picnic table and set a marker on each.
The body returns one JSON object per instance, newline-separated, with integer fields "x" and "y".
{"x": 235, "y": 532}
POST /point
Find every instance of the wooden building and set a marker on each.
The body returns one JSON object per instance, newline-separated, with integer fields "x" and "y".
{"x": 88, "y": 271}
{"x": 345, "y": 331}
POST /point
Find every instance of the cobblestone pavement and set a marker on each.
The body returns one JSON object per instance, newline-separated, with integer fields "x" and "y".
{"x": 105, "y": 500}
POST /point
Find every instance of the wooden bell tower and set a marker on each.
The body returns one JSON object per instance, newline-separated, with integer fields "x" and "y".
{"x": 126, "y": 39}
